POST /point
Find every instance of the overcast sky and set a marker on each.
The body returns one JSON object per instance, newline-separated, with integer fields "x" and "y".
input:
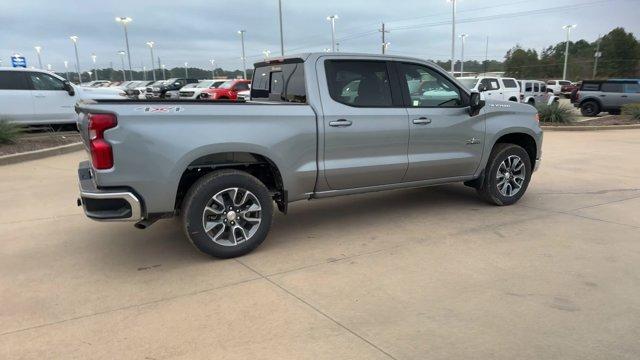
{"x": 198, "y": 30}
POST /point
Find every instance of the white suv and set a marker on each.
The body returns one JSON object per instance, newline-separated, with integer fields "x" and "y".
{"x": 535, "y": 92}
{"x": 493, "y": 88}
{"x": 556, "y": 85}
{"x": 31, "y": 97}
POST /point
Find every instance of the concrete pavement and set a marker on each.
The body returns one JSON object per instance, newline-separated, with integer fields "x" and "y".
{"x": 410, "y": 274}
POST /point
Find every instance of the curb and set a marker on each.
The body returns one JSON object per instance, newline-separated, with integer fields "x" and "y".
{"x": 39, "y": 154}
{"x": 590, "y": 128}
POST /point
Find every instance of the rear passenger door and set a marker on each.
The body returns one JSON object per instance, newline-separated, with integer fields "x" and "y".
{"x": 16, "y": 101}
{"x": 366, "y": 133}
{"x": 444, "y": 140}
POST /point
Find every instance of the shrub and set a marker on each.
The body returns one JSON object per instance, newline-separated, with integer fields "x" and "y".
{"x": 9, "y": 132}
{"x": 632, "y": 109}
{"x": 555, "y": 113}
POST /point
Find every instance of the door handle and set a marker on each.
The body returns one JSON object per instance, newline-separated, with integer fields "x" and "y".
{"x": 38, "y": 95}
{"x": 421, "y": 121}
{"x": 340, "y": 123}
{"x": 603, "y": 95}
{"x": 624, "y": 95}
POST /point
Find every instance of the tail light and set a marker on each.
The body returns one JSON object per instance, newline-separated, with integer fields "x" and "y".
{"x": 101, "y": 152}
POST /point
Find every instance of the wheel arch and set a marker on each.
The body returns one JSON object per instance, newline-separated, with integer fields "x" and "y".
{"x": 524, "y": 140}
{"x": 259, "y": 165}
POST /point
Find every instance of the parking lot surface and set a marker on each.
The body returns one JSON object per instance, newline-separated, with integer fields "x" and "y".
{"x": 409, "y": 274}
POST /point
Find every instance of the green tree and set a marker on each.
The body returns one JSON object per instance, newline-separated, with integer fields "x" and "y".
{"x": 620, "y": 54}
{"x": 521, "y": 63}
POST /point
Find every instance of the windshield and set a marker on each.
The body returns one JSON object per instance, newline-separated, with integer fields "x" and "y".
{"x": 226, "y": 85}
{"x": 205, "y": 84}
{"x": 468, "y": 83}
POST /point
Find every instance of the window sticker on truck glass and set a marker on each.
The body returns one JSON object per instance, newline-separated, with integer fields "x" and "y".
{"x": 160, "y": 109}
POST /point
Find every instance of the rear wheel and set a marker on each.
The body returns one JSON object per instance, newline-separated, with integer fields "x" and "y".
{"x": 531, "y": 102}
{"x": 227, "y": 213}
{"x": 589, "y": 108}
{"x": 506, "y": 176}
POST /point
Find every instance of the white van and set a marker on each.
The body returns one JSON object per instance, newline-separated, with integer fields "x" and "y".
{"x": 494, "y": 88}
{"x": 32, "y": 97}
{"x": 535, "y": 92}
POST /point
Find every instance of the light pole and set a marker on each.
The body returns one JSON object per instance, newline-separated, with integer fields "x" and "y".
{"x": 93, "y": 58}
{"x": 38, "y": 50}
{"x": 144, "y": 73}
{"x": 385, "y": 46}
{"x": 213, "y": 68}
{"x": 121, "y": 53}
{"x": 266, "y": 54}
{"x": 244, "y": 60}
{"x": 281, "y": 34}
{"x": 49, "y": 67}
{"x": 566, "y": 50}
{"x": 66, "y": 69}
{"x": 163, "y": 66}
{"x": 124, "y": 20}
{"x": 595, "y": 57}
{"x": 333, "y": 19}
{"x": 153, "y": 66}
{"x": 75, "y": 46}
{"x": 462, "y": 37}
{"x": 453, "y": 34}
{"x": 186, "y": 72}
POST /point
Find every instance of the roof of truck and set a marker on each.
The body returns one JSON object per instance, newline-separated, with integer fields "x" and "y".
{"x": 309, "y": 55}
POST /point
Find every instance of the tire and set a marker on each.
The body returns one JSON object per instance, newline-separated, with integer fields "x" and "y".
{"x": 199, "y": 206}
{"x": 505, "y": 153}
{"x": 589, "y": 108}
{"x": 531, "y": 102}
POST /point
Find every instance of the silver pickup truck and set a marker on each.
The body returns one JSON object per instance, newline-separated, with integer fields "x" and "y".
{"x": 317, "y": 125}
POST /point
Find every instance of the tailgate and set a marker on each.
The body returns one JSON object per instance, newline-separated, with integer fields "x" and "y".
{"x": 82, "y": 123}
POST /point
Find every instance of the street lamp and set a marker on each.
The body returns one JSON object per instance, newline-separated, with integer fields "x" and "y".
{"x": 462, "y": 37}
{"x": 266, "y": 54}
{"x": 213, "y": 68}
{"x": 333, "y": 19}
{"x": 75, "y": 46}
{"x": 153, "y": 66}
{"x": 244, "y": 60}
{"x": 93, "y": 58}
{"x": 566, "y": 50}
{"x": 66, "y": 69}
{"x": 453, "y": 33}
{"x": 124, "y": 20}
{"x": 281, "y": 34}
{"x": 385, "y": 46}
{"x": 186, "y": 72}
{"x": 163, "y": 66}
{"x": 121, "y": 53}
{"x": 38, "y": 50}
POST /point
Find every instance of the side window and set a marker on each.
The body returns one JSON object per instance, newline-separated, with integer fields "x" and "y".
{"x": 241, "y": 86}
{"x": 536, "y": 87}
{"x": 428, "y": 88}
{"x": 281, "y": 82}
{"x": 509, "y": 83}
{"x": 490, "y": 84}
{"x": 611, "y": 87}
{"x": 359, "y": 83}
{"x": 543, "y": 88}
{"x": 528, "y": 87}
{"x": 13, "y": 80}
{"x": 632, "y": 88}
{"x": 590, "y": 87}
{"x": 43, "y": 81}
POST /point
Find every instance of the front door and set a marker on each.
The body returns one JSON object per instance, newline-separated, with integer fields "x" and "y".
{"x": 365, "y": 125}
{"x": 492, "y": 89}
{"x": 444, "y": 140}
{"x": 52, "y": 103}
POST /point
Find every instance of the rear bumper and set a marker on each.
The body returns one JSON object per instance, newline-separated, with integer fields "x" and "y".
{"x": 106, "y": 205}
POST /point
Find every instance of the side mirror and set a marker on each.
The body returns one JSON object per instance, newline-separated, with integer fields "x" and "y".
{"x": 68, "y": 88}
{"x": 482, "y": 87}
{"x": 475, "y": 104}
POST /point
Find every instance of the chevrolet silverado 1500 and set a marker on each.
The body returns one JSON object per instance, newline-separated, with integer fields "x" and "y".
{"x": 316, "y": 125}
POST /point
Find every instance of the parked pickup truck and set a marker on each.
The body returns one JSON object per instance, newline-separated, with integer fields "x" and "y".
{"x": 316, "y": 125}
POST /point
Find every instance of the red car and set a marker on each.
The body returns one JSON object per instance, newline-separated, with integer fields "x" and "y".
{"x": 228, "y": 90}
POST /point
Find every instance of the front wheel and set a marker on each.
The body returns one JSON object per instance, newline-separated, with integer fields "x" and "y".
{"x": 227, "y": 213}
{"x": 506, "y": 176}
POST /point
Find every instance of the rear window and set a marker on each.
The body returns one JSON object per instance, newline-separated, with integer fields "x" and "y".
{"x": 279, "y": 82}
{"x": 564, "y": 82}
{"x": 13, "y": 80}
{"x": 632, "y": 88}
{"x": 509, "y": 83}
{"x": 590, "y": 86}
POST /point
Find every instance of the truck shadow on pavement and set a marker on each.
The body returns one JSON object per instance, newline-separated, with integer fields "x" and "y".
{"x": 318, "y": 220}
